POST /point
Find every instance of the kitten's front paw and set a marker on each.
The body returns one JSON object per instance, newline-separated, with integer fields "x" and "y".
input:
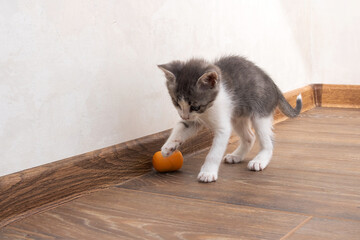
{"x": 207, "y": 176}
{"x": 208, "y": 173}
{"x": 169, "y": 148}
{"x": 229, "y": 158}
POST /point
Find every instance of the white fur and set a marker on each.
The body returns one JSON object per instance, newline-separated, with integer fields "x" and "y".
{"x": 263, "y": 129}
{"x": 218, "y": 118}
{"x": 299, "y": 97}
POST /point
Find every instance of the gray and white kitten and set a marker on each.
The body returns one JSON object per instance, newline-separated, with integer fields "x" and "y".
{"x": 231, "y": 93}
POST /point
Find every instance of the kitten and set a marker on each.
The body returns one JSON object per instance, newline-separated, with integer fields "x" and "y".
{"x": 231, "y": 93}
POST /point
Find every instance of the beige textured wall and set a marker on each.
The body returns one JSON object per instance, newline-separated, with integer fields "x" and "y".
{"x": 78, "y": 75}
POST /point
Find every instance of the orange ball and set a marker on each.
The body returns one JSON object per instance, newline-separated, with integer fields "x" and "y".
{"x": 167, "y": 164}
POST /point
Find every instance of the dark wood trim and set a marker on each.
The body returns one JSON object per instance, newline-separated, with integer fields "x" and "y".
{"x": 36, "y": 189}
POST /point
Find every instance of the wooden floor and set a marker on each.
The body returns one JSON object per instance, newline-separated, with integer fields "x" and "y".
{"x": 311, "y": 190}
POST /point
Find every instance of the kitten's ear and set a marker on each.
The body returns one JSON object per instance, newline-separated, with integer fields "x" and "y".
{"x": 208, "y": 80}
{"x": 168, "y": 74}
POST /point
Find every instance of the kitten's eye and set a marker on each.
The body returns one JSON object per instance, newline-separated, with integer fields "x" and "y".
{"x": 193, "y": 108}
{"x": 175, "y": 102}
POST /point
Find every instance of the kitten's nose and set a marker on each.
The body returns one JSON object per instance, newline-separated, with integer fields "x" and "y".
{"x": 185, "y": 117}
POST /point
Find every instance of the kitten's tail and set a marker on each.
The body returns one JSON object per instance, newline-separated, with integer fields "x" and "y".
{"x": 286, "y": 108}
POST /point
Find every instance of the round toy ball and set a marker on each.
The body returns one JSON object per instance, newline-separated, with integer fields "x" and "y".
{"x": 167, "y": 164}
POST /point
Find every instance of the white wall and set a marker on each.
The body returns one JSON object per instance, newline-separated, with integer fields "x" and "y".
{"x": 335, "y": 41}
{"x": 79, "y": 75}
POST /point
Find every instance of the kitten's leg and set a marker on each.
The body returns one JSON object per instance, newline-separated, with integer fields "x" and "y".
{"x": 242, "y": 127}
{"x": 263, "y": 129}
{"x": 182, "y": 131}
{"x": 210, "y": 168}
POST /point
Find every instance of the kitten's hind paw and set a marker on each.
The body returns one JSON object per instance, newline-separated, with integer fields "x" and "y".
{"x": 229, "y": 158}
{"x": 207, "y": 177}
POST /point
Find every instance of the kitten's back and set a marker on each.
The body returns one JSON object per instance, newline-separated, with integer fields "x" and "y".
{"x": 251, "y": 89}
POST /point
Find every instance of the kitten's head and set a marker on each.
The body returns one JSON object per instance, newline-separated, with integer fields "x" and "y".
{"x": 193, "y": 86}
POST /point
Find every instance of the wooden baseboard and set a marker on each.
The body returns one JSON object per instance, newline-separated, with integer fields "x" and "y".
{"x": 339, "y": 96}
{"x": 46, "y": 186}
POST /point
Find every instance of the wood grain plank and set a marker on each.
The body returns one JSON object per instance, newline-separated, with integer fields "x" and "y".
{"x": 337, "y": 159}
{"x": 332, "y": 113}
{"x": 331, "y": 133}
{"x": 327, "y": 229}
{"x": 296, "y": 228}
{"x": 311, "y": 193}
{"x": 127, "y": 214}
